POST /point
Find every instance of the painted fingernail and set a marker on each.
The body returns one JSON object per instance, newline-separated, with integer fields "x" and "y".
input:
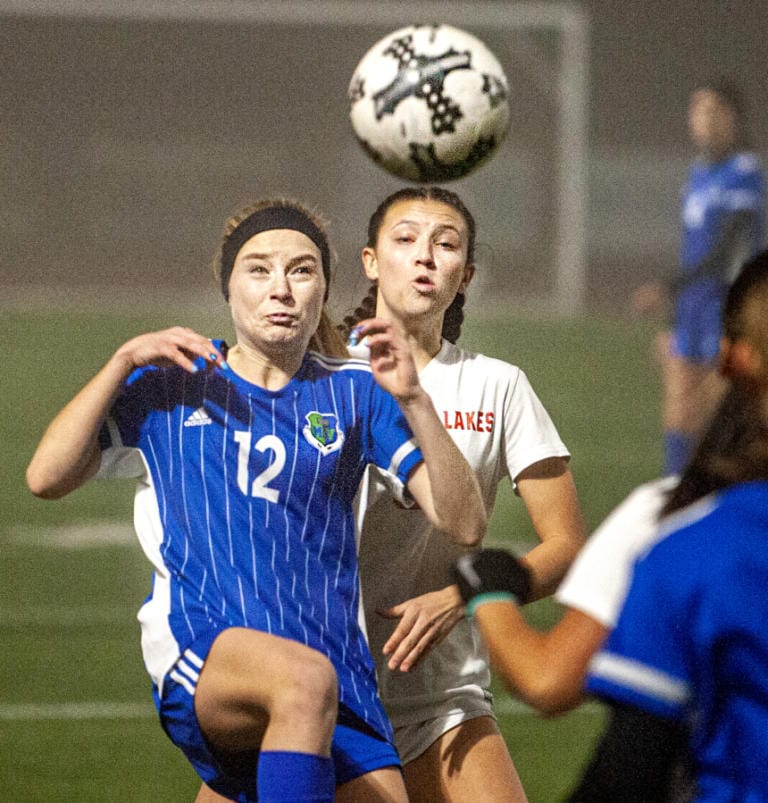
{"x": 225, "y": 365}
{"x": 354, "y": 336}
{"x": 213, "y": 356}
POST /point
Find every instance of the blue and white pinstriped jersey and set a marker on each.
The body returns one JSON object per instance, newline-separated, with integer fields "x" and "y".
{"x": 244, "y": 505}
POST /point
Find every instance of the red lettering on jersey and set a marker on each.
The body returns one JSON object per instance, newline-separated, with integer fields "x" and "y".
{"x": 473, "y": 420}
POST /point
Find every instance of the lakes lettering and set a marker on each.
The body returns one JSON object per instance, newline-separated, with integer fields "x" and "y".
{"x": 480, "y": 421}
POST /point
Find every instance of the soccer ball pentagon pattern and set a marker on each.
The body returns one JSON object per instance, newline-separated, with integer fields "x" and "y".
{"x": 429, "y": 103}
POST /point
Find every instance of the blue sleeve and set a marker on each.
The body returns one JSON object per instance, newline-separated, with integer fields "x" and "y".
{"x": 646, "y": 661}
{"x": 392, "y": 446}
{"x": 123, "y": 427}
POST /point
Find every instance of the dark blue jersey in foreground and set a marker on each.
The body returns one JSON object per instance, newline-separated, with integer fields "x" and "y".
{"x": 691, "y": 644}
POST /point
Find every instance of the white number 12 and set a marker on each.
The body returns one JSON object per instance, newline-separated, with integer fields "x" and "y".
{"x": 260, "y": 486}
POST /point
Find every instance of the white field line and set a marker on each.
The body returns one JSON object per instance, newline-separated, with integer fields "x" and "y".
{"x": 65, "y": 616}
{"x": 40, "y": 712}
{"x": 83, "y": 535}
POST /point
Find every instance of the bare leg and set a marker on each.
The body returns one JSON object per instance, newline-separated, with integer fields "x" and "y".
{"x": 264, "y": 695}
{"x": 691, "y": 394}
{"x": 465, "y": 760}
{"x": 381, "y": 786}
{"x": 258, "y": 691}
{"x": 207, "y": 795}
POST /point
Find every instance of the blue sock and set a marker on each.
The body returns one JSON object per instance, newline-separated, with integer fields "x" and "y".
{"x": 285, "y": 777}
{"x": 677, "y": 450}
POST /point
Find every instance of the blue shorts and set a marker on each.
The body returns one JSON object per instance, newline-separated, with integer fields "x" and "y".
{"x": 698, "y": 322}
{"x": 356, "y": 749}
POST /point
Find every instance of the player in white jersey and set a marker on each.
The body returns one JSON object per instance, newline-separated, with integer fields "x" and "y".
{"x": 247, "y": 460}
{"x": 433, "y": 674}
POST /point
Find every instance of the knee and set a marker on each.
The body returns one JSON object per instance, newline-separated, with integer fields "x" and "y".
{"x": 307, "y": 689}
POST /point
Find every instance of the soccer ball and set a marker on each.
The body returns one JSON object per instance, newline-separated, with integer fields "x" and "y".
{"x": 429, "y": 103}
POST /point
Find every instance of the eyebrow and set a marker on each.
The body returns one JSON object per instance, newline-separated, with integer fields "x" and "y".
{"x": 256, "y": 255}
{"x": 439, "y": 229}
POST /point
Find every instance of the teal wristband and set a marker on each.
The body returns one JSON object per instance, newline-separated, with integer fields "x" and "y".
{"x": 489, "y": 596}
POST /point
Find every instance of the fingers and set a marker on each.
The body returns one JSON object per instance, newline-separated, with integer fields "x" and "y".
{"x": 371, "y": 326}
{"x": 178, "y": 345}
{"x": 415, "y": 635}
{"x": 380, "y": 336}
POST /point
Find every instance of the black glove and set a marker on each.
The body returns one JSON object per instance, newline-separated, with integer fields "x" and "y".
{"x": 491, "y": 574}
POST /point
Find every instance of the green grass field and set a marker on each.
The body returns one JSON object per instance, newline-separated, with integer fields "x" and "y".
{"x": 76, "y": 720}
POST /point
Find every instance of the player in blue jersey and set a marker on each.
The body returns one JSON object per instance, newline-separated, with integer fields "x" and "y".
{"x": 685, "y": 671}
{"x": 548, "y": 669}
{"x": 722, "y": 212}
{"x": 247, "y": 460}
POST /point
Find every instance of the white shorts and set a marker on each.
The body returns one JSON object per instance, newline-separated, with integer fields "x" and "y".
{"x": 414, "y": 738}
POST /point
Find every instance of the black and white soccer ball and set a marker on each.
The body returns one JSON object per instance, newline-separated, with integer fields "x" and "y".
{"x": 429, "y": 103}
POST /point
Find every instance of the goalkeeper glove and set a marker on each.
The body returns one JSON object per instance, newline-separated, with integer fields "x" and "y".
{"x": 491, "y": 575}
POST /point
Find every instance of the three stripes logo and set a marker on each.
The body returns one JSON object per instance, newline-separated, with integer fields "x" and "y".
{"x": 198, "y": 419}
{"x": 187, "y": 671}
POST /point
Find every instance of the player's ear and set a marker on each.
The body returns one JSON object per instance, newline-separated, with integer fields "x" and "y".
{"x": 739, "y": 359}
{"x": 469, "y": 272}
{"x": 370, "y": 264}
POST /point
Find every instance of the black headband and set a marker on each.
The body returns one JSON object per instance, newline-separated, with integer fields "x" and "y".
{"x": 272, "y": 217}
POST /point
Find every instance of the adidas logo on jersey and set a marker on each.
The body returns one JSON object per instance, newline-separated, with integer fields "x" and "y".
{"x": 198, "y": 419}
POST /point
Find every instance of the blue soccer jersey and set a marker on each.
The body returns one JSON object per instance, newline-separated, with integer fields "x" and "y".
{"x": 244, "y": 506}
{"x": 691, "y": 643}
{"x": 713, "y": 191}
{"x": 711, "y": 254}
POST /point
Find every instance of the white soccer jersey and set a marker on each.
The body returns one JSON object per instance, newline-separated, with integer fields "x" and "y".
{"x": 597, "y": 582}
{"x": 499, "y": 424}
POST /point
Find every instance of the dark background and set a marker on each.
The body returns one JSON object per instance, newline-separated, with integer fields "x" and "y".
{"x": 125, "y": 143}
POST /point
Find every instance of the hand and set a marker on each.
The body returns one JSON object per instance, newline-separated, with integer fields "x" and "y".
{"x": 391, "y": 361}
{"x": 178, "y": 345}
{"x": 424, "y": 622}
{"x": 492, "y": 573}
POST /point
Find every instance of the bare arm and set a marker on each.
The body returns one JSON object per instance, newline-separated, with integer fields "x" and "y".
{"x": 549, "y": 494}
{"x": 546, "y": 670}
{"x": 68, "y": 453}
{"x": 444, "y": 485}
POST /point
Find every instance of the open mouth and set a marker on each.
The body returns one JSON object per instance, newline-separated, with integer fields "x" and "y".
{"x": 423, "y": 283}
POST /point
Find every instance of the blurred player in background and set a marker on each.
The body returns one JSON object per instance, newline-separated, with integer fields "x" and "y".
{"x": 247, "y": 460}
{"x": 722, "y": 213}
{"x": 432, "y": 670}
{"x": 685, "y": 667}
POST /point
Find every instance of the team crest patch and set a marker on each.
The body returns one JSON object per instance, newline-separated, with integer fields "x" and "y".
{"x": 322, "y": 431}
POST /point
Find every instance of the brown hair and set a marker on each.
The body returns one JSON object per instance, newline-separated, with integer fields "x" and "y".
{"x": 735, "y": 446}
{"x": 454, "y": 315}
